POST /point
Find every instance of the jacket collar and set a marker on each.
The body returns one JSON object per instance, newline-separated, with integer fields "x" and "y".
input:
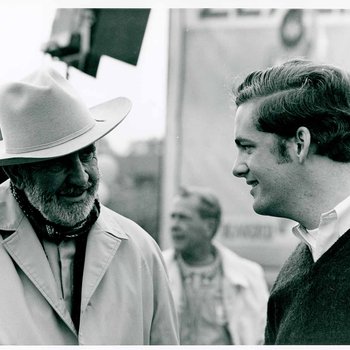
{"x": 102, "y": 244}
{"x": 232, "y": 265}
{"x": 10, "y": 213}
{"x": 26, "y": 250}
{"x": 107, "y": 222}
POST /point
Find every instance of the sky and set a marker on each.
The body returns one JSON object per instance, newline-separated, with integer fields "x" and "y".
{"x": 24, "y": 30}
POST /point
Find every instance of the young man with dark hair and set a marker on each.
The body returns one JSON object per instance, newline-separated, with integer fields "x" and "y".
{"x": 292, "y": 131}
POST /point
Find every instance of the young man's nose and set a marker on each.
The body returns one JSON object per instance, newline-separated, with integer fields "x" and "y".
{"x": 239, "y": 168}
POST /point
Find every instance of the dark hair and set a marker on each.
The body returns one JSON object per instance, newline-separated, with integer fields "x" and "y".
{"x": 209, "y": 206}
{"x": 301, "y": 93}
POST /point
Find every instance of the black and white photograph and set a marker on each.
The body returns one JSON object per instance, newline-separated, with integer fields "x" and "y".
{"x": 174, "y": 175}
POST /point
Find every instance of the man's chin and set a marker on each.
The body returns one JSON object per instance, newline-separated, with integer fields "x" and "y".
{"x": 180, "y": 248}
{"x": 260, "y": 208}
{"x": 69, "y": 212}
{"x": 61, "y": 210}
{"x": 266, "y": 210}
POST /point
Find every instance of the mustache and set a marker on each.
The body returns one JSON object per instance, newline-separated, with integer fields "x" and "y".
{"x": 47, "y": 196}
{"x": 72, "y": 190}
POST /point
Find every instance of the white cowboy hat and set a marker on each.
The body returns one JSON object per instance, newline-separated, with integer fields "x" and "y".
{"x": 42, "y": 117}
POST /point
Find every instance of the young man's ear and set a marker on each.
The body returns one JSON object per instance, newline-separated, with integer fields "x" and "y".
{"x": 15, "y": 174}
{"x": 302, "y": 140}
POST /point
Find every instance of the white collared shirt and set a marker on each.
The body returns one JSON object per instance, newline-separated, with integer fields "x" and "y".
{"x": 333, "y": 224}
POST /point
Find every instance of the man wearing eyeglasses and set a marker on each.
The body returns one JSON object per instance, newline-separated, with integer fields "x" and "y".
{"x": 72, "y": 271}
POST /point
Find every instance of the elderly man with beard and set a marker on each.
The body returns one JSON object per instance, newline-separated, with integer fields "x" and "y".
{"x": 72, "y": 271}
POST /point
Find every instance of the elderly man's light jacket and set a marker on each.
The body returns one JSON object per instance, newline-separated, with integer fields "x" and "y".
{"x": 125, "y": 295}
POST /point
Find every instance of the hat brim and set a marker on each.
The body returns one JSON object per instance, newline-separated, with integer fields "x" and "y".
{"x": 108, "y": 115}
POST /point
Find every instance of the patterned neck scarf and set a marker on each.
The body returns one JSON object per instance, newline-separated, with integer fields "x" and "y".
{"x": 48, "y": 230}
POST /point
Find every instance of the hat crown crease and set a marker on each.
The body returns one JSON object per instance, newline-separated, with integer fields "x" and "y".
{"x": 41, "y": 111}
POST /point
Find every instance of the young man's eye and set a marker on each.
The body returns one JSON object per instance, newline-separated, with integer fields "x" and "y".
{"x": 247, "y": 148}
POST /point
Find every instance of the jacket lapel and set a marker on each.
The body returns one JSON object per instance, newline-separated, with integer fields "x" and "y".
{"x": 26, "y": 250}
{"x": 103, "y": 242}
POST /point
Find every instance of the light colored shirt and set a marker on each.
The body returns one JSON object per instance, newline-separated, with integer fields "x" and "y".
{"x": 333, "y": 224}
{"x": 61, "y": 260}
{"x": 203, "y": 320}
